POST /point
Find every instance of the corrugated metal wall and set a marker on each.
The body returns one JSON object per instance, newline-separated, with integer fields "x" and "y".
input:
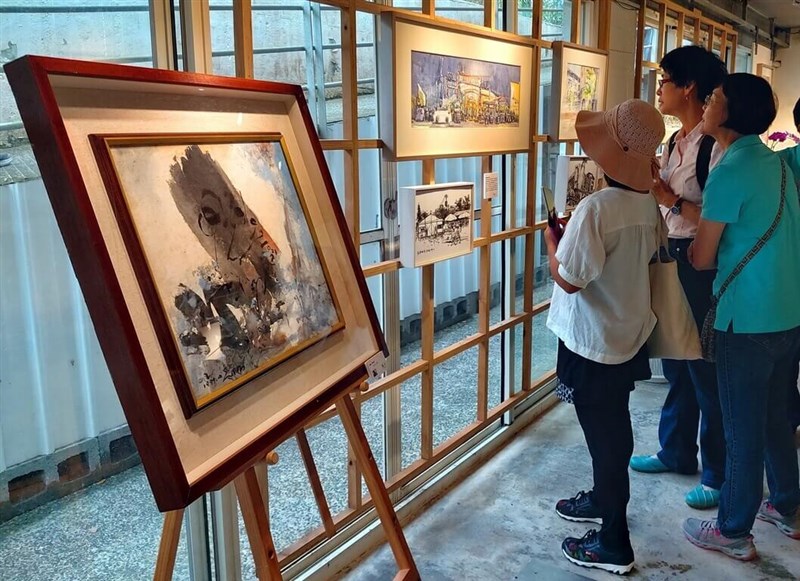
{"x": 54, "y": 385}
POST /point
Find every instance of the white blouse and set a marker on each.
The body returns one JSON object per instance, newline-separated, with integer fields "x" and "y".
{"x": 606, "y": 250}
{"x": 679, "y": 171}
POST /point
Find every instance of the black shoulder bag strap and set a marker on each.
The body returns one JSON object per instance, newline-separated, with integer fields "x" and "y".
{"x": 704, "y": 160}
{"x": 707, "y": 335}
{"x": 671, "y": 144}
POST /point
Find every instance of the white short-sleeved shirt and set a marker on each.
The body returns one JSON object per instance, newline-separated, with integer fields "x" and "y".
{"x": 606, "y": 250}
{"x": 680, "y": 172}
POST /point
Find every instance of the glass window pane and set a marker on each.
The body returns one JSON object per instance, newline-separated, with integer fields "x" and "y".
{"x": 495, "y": 370}
{"x": 367, "y": 73}
{"x": 410, "y": 420}
{"x": 410, "y": 314}
{"x": 69, "y": 470}
{"x": 545, "y": 348}
{"x": 335, "y": 160}
{"x": 545, "y": 91}
{"x": 369, "y": 189}
{"x": 223, "y": 61}
{"x": 280, "y": 33}
{"x": 102, "y": 30}
{"x": 455, "y": 298}
{"x": 525, "y": 17}
{"x": 455, "y": 395}
{"x": 372, "y": 420}
{"x": 556, "y": 18}
{"x": 496, "y": 281}
{"x": 467, "y": 11}
{"x": 292, "y": 510}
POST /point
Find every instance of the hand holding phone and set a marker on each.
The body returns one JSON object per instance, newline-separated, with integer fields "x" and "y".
{"x": 554, "y": 223}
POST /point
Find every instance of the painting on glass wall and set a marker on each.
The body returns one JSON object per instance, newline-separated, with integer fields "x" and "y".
{"x": 579, "y": 84}
{"x": 450, "y": 91}
{"x": 436, "y": 222}
{"x": 577, "y": 177}
{"x": 229, "y": 259}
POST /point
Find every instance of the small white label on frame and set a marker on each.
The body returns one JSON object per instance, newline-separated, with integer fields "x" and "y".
{"x": 490, "y": 181}
{"x": 376, "y": 365}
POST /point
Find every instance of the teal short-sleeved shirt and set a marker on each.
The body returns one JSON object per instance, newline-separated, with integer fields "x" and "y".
{"x": 792, "y": 157}
{"x": 743, "y": 191}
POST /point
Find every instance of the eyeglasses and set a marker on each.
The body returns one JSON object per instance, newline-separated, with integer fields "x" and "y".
{"x": 710, "y": 98}
{"x": 662, "y": 81}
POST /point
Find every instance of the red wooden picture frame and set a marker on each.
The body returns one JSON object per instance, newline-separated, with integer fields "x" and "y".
{"x": 171, "y": 446}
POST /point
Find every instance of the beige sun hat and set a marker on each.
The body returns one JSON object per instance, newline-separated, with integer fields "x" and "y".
{"x": 623, "y": 140}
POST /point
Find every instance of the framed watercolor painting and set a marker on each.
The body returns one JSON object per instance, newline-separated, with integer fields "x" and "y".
{"x": 228, "y": 260}
{"x": 216, "y": 262}
{"x": 579, "y": 84}
{"x": 436, "y": 222}
{"x": 451, "y": 94}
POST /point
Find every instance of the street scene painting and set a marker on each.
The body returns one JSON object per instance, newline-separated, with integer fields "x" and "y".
{"x": 577, "y": 177}
{"x": 580, "y": 93}
{"x": 450, "y": 91}
{"x": 233, "y": 265}
{"x": 436, "y": 223}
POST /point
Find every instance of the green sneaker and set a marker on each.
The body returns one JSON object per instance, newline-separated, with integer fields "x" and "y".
{"x": 706, "y": 535}
{"x": 702, "y": 497}
{"x": 649, "y": 464}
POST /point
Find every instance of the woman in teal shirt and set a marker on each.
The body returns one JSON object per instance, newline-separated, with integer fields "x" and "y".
{"x": 757, "y": 324}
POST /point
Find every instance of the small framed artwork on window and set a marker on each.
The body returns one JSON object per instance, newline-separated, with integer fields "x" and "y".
{"x": 580, "y": 79}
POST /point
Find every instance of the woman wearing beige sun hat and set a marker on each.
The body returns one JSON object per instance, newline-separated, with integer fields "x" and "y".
{"x": 601, "y": 313}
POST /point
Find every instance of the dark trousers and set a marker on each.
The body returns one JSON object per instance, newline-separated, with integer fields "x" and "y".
{"x": 693, "y": 396}
{"x": 794, "y": 396}
{"x": 755, "y": 373}
{"x": 606, "y": 425}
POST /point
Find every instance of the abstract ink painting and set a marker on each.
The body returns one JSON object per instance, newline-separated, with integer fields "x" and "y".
{"x": 229, "y": 255}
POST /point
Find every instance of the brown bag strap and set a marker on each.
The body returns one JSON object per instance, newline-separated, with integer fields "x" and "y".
{"x": 759, "y": 244}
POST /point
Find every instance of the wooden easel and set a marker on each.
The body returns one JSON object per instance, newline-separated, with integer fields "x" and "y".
{"x": 250, "y": 492}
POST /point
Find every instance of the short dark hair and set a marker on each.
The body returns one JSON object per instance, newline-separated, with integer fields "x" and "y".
{"x": 751, "y": 103}
{"x": 694, "y": 64}
{"x": 796, "y": 113}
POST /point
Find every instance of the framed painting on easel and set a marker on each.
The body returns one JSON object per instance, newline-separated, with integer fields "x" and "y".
{"x": 216, "y": 263}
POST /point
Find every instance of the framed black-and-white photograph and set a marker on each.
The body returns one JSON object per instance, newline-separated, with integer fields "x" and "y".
{"x": 577, "y": 177}
{"x": 436, "y": 222}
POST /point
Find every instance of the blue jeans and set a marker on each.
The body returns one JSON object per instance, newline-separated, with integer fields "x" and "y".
{"x": 692, "y": 390}
{"x": 754, "y": 373}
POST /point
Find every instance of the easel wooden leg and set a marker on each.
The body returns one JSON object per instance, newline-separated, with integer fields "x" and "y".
{"x": 168, "y": 548}
{"x": 377, "y": 489}
{"x": 256, "y": 522}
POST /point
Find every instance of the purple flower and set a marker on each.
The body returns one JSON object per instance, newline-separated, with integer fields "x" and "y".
{"x": 779, "y": 136}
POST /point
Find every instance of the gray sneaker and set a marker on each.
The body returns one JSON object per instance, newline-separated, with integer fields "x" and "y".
{"x": 706, "y": 535}
{"x": 788, "y": 525}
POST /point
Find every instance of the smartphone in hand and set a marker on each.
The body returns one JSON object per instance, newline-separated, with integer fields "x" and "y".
{"x": 555, "y": 223}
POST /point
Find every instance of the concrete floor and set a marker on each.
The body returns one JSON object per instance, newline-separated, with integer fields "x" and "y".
{"x": 499, "y": 524}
